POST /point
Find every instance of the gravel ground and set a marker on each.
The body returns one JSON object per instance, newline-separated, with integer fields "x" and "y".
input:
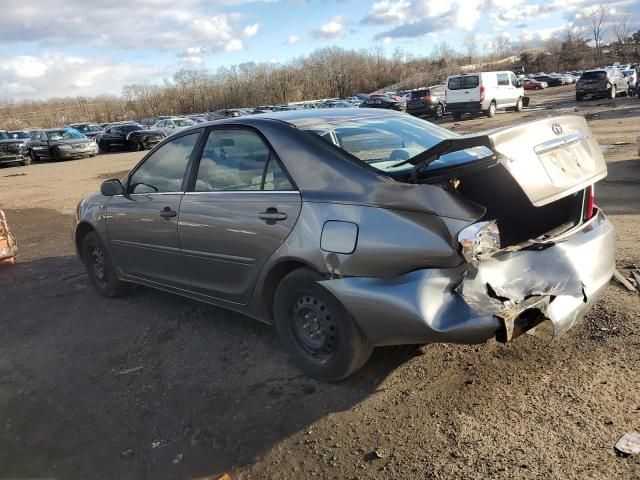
{"x": 157, "y": 386}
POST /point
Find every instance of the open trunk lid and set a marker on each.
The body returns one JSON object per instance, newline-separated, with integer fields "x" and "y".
{"x": 550, "y": 158}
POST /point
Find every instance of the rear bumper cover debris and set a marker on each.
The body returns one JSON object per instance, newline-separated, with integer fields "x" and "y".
{"x": 555, "y": 280}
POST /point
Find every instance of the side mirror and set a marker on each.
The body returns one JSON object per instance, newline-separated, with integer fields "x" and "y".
{"x": 112, "y": 187}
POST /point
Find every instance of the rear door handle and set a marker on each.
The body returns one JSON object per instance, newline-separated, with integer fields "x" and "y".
{"x": 272, "y": 215}
{"x": 168, "y": 213}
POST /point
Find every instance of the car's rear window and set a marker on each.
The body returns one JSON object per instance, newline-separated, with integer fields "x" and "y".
{"x": 385, "y": 141}
{"x": 463, "y": 83}
{"x": 420, "y": 93}
{"x": 594, "y": 75}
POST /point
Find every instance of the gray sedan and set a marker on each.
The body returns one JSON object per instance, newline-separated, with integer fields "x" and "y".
{"x": 353, "y": 229}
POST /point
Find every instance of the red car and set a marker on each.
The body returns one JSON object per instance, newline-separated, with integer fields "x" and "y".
{"x": 531, "y": 84}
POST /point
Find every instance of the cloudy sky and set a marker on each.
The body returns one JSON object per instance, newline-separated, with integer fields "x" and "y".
{"x": 73, "y": 47}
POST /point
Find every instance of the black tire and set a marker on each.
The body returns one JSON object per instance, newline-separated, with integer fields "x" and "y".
{"x": 519, "y": 105}
{"x": 439, "y": 113}
{"x": 491, "y": 111}
{"x": 33, "y": 156}
{"x": 139, "y": 147}
{"x": 316, "y": 330}
{"x": 104, "y": 147}
{"x": 100, "y": 267}
{"x": 56, "y": 155}
{"x": 456, "y": 116}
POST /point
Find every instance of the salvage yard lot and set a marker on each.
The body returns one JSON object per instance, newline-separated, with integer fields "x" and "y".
{"x": 156, "y": 386}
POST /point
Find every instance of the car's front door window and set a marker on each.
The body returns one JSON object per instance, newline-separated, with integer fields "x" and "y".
{"x": 232, "y": 160}
{"x": 164, "y": 170}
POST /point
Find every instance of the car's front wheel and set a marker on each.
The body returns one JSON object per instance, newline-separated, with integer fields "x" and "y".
{"x": 316, "y": 330}
{"x": 519, "y": 105}
{"x": 99, "y": 267}
{"x": 439, "y": 113}
{"x": 33, "y": 156}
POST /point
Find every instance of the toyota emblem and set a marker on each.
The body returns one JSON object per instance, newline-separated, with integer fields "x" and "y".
{"x": 557, "y": 128}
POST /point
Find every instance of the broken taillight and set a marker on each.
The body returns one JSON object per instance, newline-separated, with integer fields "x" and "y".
{"x": 590, "y": 206}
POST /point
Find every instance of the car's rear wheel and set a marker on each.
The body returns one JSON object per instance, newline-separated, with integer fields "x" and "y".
{"x": 316, "y": 330}
{"x": 33, "y": 156}
{"x": 491, "y": 111}
{"x": 57, "y": 156}
{"x": 100, "y": 268}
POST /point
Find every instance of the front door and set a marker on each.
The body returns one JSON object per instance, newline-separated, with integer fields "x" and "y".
{"x": 142, "y": 225}
{"x": 240, "y": 209}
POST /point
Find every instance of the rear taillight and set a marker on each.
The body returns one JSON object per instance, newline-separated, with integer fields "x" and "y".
{"x": 590, "y": 205}
{"x": 482, "y": 94}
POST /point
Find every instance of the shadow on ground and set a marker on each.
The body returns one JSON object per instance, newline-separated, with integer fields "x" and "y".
{"x": 152, "y": 377}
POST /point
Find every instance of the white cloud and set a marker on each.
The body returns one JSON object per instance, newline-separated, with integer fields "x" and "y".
{"x": 415, "y": 18}
{"x": 251, "y": 30}
{"x": 218, "y": 33}
{"x": 57, "y": 74}
{"x": 292, "y": 40}
{"x": 331, "y": 30}
{"x": 193, "y": 56}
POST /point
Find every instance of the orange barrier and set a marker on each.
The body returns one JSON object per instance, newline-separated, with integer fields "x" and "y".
{"x": 8, "y": 243}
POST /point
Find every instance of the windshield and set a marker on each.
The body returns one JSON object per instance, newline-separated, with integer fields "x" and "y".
{"x": 66, "y": 134}
{"x": 462, "y": 83}
{"x": 628, "y": 73}
{"x": 384, "y": 141}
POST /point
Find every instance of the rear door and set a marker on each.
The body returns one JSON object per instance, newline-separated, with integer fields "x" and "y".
{"x": 463, "y": 89}
{"x": 240, "y": 208}
{"x": 142, "y": 226}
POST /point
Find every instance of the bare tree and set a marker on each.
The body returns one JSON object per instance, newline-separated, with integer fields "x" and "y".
{"x": 470, "y": 43}
{"x": 595, "y": 19}
{"x": 501, "y": 45}
{"x": 622, "y": 29}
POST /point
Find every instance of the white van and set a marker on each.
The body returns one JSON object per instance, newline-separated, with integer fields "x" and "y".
{"x": 484, "y": 92}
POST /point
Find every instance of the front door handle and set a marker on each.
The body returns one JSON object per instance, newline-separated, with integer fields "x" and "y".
{"x": 168, "y": 213}
{"x": 272, "y": 215}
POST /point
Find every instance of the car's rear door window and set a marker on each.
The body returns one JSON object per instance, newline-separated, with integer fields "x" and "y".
{"x": 463, "y": 83}
{"x": 163, "y": 171}
{"x": 594, "y": 75}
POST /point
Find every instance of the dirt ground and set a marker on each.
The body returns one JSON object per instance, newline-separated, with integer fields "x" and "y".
{"x": 157, "y": 386}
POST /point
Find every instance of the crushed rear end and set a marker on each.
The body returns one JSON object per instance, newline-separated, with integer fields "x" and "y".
{"x": 543, "y": 251}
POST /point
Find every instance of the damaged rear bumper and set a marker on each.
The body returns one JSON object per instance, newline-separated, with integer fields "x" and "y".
{"x": 556, "y": 280}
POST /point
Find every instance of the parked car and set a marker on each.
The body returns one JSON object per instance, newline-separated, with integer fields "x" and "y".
{"x": 173, "y": 125}
{"x": 129, "y": 136}
{"x": 225, "y": 113}
{"x": 352, "y": 256}
{"x": 608, "y": 83}
{"x": 151, "y": 121}
{"x": 632, "y": 80}
{"x": 484, "y": 92}
{"x": 531, "y": 84}
{"x": 427, "y": 101}
{"x": 337, "y": 104}
{"x": 13, "y": 150}
{"x": 89, "y": 130}
{"x": 551, "y": 81}
{"x": 384, "y": 101}
{"x": 60, "y": 144}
